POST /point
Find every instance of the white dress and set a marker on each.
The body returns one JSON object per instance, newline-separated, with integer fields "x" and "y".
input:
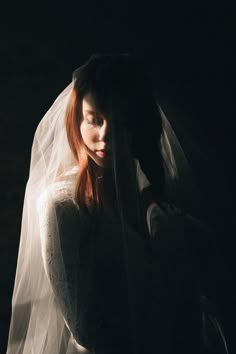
{"x": 114, "y": 293}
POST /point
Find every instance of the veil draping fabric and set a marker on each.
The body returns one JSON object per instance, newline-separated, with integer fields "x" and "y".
{"x": 45, "y": 317}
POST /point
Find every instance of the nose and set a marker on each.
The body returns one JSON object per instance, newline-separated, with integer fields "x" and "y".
{"x": 104, "y": 131}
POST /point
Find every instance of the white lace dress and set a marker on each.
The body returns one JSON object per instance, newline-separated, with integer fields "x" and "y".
{"x": 114, "y": 293}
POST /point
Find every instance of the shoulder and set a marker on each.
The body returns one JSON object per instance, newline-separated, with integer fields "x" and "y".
{"x": 59, "y": 194}
{"x": 61, "y": 222}
{"x": 58, "y": 212}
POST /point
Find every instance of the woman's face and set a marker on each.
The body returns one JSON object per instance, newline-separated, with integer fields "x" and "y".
{"x": 95, "y": 132}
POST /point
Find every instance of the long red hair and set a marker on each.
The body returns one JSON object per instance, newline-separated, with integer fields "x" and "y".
{"x": 86, "y": 190}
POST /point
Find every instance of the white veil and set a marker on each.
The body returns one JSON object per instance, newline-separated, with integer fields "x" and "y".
{"x": 40, "y": 322}
{"x": 36, "y": 324}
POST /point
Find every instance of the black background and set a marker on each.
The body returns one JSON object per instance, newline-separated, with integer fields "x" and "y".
{"x": 189, "y": 49}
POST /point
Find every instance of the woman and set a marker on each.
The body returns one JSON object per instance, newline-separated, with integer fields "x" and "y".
{"x": 105, "y": 264}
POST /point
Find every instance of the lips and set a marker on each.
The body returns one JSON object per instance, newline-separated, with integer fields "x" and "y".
{"x": 103, "y": 153}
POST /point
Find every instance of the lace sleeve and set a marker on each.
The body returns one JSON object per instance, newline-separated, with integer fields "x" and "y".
{"x": 60, "y": 228}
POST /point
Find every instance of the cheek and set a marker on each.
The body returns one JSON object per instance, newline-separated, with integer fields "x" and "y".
{"x": 87, "y": 134}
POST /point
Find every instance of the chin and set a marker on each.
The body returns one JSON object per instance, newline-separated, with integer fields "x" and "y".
{"x": 104, "y": 164}
{"x": 101, "y": 162}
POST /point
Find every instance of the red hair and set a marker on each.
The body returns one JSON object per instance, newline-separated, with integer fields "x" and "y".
{"x": 86, "y": 191}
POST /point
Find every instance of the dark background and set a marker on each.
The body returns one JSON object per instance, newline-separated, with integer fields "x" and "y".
{"x": 189, "y": 49}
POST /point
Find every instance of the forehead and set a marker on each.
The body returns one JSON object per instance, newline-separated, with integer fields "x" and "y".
{"x": 88, "y": 104}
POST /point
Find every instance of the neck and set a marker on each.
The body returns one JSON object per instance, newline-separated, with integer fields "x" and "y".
{"x": 104, "y": 177}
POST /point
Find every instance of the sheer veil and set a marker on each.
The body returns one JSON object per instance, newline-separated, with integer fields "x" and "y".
{"x": 37, "y": 324}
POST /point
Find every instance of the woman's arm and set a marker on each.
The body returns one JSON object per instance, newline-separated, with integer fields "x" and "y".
{"x": 60, "y": 227}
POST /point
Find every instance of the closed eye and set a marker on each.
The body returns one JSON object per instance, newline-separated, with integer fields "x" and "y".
{"x": 91, "y": 119}
{"x": 94, "y": 119}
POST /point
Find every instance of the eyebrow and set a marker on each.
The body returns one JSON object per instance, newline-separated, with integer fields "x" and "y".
{"x": 89, "y": 111}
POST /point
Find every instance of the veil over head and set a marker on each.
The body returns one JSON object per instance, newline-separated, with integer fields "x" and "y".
{"x": 44, "y": 321}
